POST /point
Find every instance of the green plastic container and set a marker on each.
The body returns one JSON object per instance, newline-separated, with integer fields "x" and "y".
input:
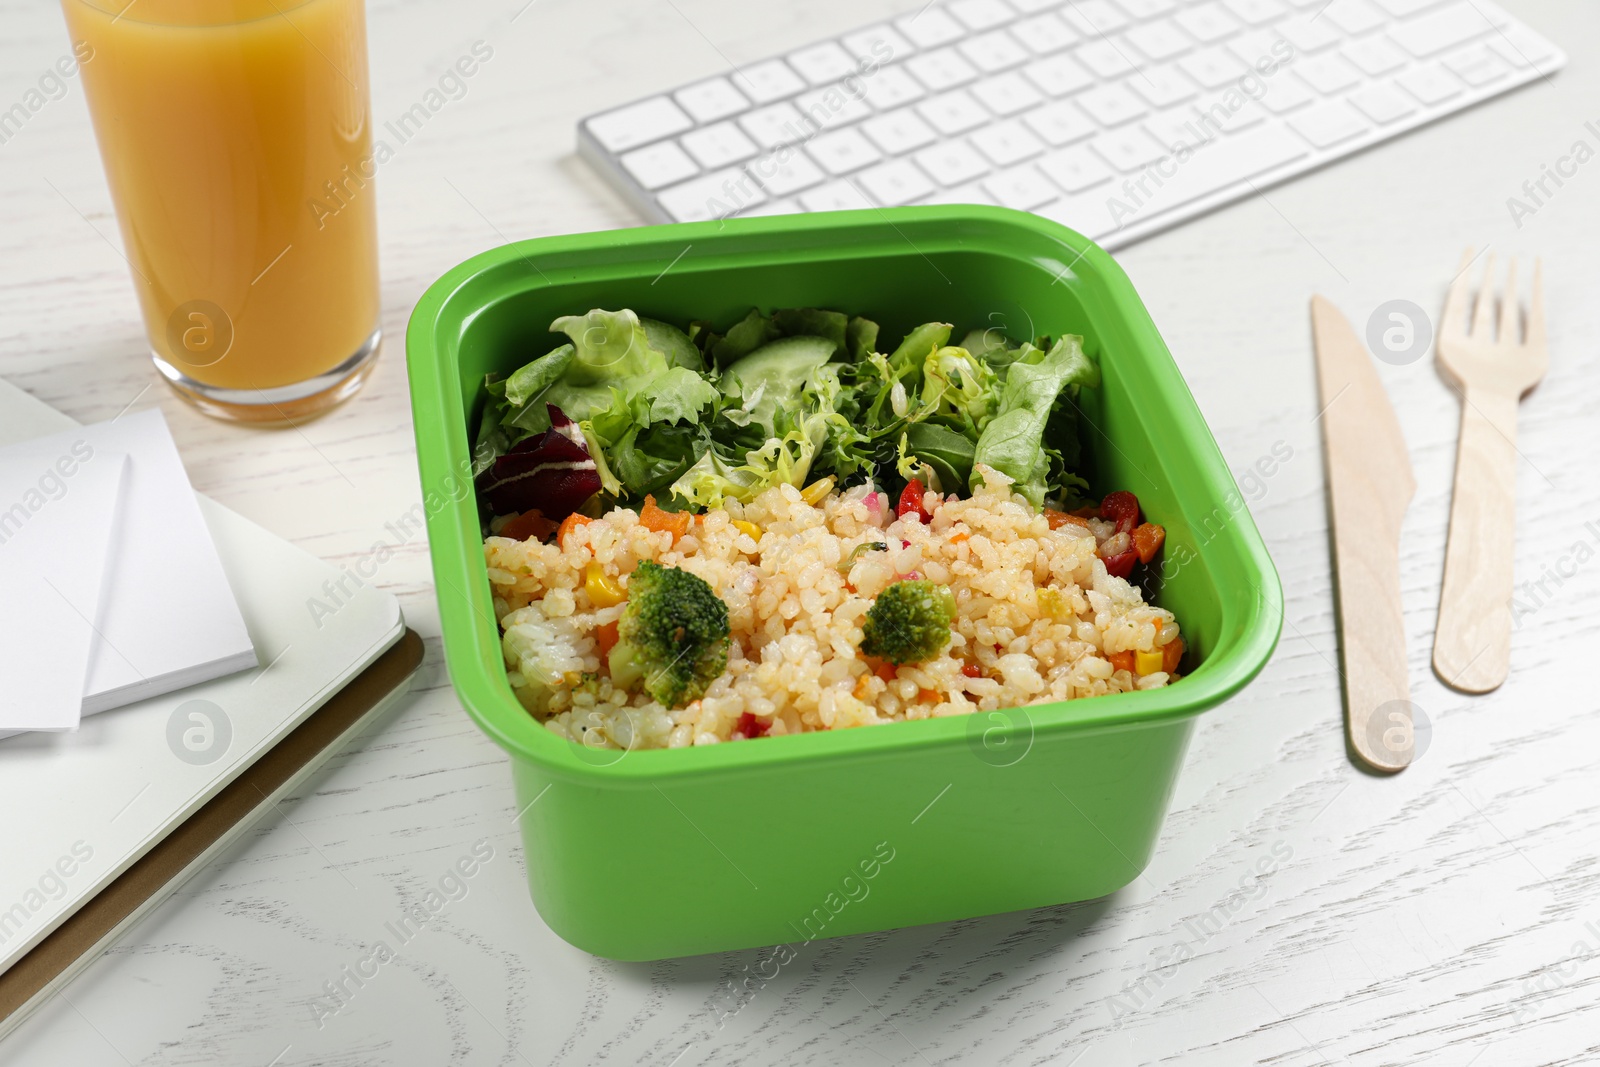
{"x": 646, "y": 855}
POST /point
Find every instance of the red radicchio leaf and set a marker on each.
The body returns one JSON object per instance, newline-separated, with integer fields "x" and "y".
{"x": 552, "y": 472}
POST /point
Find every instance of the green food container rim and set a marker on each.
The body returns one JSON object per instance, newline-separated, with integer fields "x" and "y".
{"x": 1251, "y": 611}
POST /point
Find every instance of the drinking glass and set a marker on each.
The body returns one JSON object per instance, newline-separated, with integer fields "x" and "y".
{"x": 237, "y": 141}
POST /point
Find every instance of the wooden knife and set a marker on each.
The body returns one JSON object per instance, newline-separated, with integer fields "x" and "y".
{"x": 1369, "y": 488}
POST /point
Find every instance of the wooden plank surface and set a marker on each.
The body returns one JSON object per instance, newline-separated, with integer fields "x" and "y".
{"x": 1297, "y": 911}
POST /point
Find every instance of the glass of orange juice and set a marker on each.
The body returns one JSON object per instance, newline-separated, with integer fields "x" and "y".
{"x": 237, "y": 141}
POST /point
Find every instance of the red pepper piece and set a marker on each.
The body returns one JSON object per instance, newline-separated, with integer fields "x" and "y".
{"x": 1122, "y": 508}
{"x": 1121, "y": 565}
{"x": 911, "y": 502}
{"x": 749, "y": 726}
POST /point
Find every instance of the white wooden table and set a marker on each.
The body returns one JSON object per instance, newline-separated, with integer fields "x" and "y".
{"x": 1450, "y": 915}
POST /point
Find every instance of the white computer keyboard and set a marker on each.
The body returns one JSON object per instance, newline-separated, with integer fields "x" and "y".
{"x": 1115, "y": 117}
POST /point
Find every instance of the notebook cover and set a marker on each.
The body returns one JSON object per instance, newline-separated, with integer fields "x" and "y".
{"x": 75, "y": 943}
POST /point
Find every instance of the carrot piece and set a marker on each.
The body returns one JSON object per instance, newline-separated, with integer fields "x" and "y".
{"x": 1147, "y": 540}
{"x": 1122, "y": 661}
{"x": 972, "y": 670}
{"x": 1058, "y": 519}
{"x": 928, "y": 696}
{"x": 656, "y": 519}
{"x": 1171, "y": 654}
{"x": 958, "y": 537}
{"x": 568, "y": 524}
{"x": 885, "y": 670}
{"x": 606, "y": 638}
{"x": 530, "y": 524}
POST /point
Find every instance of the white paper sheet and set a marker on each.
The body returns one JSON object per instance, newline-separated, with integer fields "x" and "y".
{"x": 58, "y": 510}
{"x": 169, "y": 617}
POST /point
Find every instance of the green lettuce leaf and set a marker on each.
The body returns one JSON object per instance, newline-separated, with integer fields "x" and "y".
{"x": 1013, "y": 442}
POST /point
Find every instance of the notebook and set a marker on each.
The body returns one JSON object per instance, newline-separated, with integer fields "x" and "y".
{"x": 57, "y": 515}
{"x": 100, "y": 799}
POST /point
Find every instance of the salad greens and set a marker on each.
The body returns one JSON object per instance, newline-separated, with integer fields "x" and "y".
{"x": 699, "y": 417}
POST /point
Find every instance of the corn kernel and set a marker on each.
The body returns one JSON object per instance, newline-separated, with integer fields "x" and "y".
{"x": 814, "y": 493}
{"x": 1147, "y": 662}
{"x": 603, "y": 592}
{"x": 1053, "y": 603}
{"x": 748, "y": 528}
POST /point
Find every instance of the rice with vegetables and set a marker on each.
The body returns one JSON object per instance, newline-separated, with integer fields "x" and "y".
{"x": 1037, "y": 616}
{"x": 783, "y": 589}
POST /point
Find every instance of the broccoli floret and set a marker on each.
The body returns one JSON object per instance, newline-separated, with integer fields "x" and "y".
{"x": 673, "y": 634}
{"x": 909, "y": 622}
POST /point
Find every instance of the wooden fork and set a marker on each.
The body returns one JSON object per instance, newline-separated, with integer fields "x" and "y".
{"x": 1494, "y": 368}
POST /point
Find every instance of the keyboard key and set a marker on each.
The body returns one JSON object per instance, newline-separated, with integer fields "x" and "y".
{"x": 660, "y": 164}
{"x": 965, "y": 194}
{"x": 1093, "y": 18}
{"x": 775, "y": 124}
{"x": 1005, "y": 143}
{"x": 1328, "y": 74}
{"x": 1028, "y": 7}
{"x": 1160, "y": 39}
{"x": 772, "y": 207}
{"x": 1060, "y": 123}
{"x": 1401, "y": 9}
{"x": 1308, "y": 35}
{"x": 1213, "y": 67}
{"x": 889, "y": 87}
{"x": 880, "y": 43}
{"x": 1257, "y": 46}
{"x": 718, "y": 145}
{"x": 1075, "y": 169}
{"x": 982, "y": 14}
{"x": 1207, "y": 22}
{"x": 930, "y": 28}
{"x": 1058, "y": 75}
{"x": 1325, "y": 125}
{"x": 1104, "y": 58}
{"x": 637, "y": 124}
{"x": 1044, "y": 34}
{"x": 1162, "y": 86}
{"x": 822, "y": 63}
{"x": 896, "y": 182}
{"x": 941, "y": 69}
{"x": 1146, "y": 9}
{"x": 712, "y": 196}
{"x": 1284, "y": 94}
{"x": 834, "y": 106}
{"x": 952, "y": 162}
{"x": 835, "y": 196}
{"x": 1023, "y": 188}
{"x": 1128, "y": 149}
{"x": 1436, "y": 31}
{"x": 1111, "y": 105}
{"x": 1255, "y": 12}
{"x": 1522, "y": 48}
{"x": 843, "y": 151}
{"x": 1089, "y": 214}
{"x": 1477, "y": 66}
{"x": 1222, "y": 164}
{"x": 785, "y": 171}
{"x": 1381, "y": 104}
{"x": 899, "y": 131}
{"x": 1354, "y": 16}
{"x": 1429, "y": 83}
{"x": 1178, "y": 128}
{"x": 1374, "y": 55}
{"x": 1230, "y": 115}
{"x": 994, "y": 51}
{"x": 768, "y": 81}
{"x": 710, "y": 100}
{"x": 1007, "y": 94}
{"x": 954, "y": 112}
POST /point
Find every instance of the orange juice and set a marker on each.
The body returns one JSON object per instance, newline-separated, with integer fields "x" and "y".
{"x": 237, "y": 141}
